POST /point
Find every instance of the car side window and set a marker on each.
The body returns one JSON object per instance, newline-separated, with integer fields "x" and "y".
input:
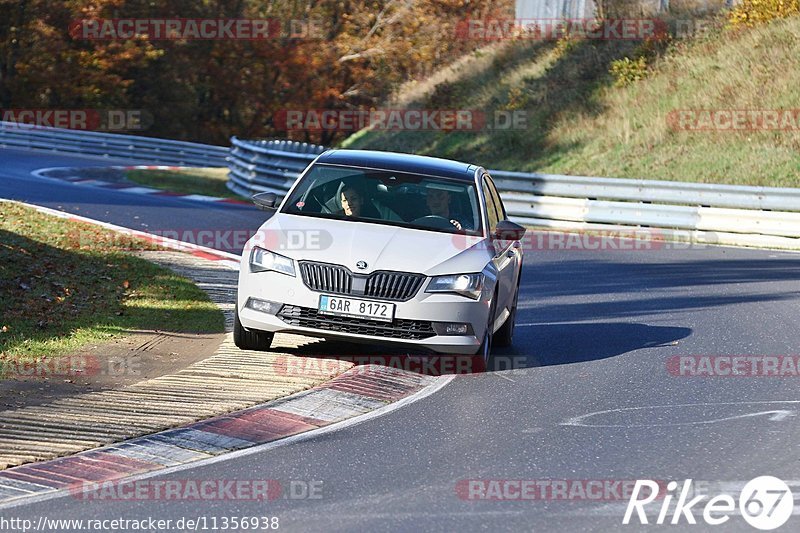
{"x": 491, "y": 208}
{"x": 498, "y": 203}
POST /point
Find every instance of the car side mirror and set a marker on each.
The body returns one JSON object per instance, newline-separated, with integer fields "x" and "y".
{"x": 265, "y": 200}
{"x": 509, "y": 231}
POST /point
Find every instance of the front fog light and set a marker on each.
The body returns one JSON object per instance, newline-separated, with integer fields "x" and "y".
{"x": 263, "y": 306}
{"x": 452, "y": 328}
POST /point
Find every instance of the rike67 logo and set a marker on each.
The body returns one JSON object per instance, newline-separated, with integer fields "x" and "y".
{"x": 765, "y": 503}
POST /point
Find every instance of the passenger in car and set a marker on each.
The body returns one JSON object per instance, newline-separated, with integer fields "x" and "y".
{"x": 355, "y": 205}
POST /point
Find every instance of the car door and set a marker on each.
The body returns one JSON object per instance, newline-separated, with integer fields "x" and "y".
{"x": 506, "y": 254}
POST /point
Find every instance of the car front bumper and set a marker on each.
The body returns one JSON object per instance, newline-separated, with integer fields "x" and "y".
{"x": 417, "y": 322}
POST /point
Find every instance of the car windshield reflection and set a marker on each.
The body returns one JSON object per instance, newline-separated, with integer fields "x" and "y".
{"x": 385, "y": 197}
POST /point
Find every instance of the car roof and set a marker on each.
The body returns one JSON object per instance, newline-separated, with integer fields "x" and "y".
{"x": 413, "y": 164}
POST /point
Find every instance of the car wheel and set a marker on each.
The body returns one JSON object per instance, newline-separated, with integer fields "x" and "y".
{"x": 505, "y": 335}
{"x": 252, "y": 339}
{"x": 485, "y": 350}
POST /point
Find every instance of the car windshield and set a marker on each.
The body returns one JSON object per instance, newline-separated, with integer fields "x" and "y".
{"x": 387, "y": 197}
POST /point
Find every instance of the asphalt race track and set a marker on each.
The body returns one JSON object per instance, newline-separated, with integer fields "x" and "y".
{"x": 155, "y": 214}
{"x": 595, "y": 395}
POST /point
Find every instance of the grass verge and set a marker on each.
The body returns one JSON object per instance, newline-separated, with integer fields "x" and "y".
{"x": 206, "y": 181}
{"x": 580, "y": 122}
{"x": 66, "y": 284}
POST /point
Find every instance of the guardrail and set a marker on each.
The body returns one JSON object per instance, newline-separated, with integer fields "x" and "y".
{"x": 741, "y": 215}
{"x": 131, "y": 147}
{"x": 755, "y": 216}
{"x": 267, "y": 166}
{"x": 575, "y": 202}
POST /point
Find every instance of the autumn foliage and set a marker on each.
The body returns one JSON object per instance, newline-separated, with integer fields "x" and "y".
{"x": 207, "y": 90}
{"x": 752, "y": 12}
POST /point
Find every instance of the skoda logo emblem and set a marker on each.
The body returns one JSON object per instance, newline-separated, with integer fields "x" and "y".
{"x": 361, "y": 265}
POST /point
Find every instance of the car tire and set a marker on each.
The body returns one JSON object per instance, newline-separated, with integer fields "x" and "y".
{"x": 251, "y": 339}
{"x": 505, "y": 335}
{"x": 485, "y": 349}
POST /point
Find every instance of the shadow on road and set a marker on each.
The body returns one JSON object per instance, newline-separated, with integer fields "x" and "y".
{"x": 535, "y": 345}
{"x": 566, "y": 343}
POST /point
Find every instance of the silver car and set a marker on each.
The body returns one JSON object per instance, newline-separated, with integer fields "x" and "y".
{"x": 382, "y": 247}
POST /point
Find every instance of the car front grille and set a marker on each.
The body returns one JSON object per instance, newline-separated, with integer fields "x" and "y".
{"x": 393, "y": 285}
{"x": 326, "y": 278}
{"x": 336, "y": 279}
{"x": 399, "y": 328}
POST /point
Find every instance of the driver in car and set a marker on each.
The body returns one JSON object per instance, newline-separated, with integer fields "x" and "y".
{"x": 438, "y": 201}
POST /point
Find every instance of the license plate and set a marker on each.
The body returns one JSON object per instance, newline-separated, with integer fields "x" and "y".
{"x": 353, "y": 307}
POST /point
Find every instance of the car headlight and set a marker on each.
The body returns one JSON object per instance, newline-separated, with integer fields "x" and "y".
{"x": 262, "y": 260}
{"x": 469, "y": 285}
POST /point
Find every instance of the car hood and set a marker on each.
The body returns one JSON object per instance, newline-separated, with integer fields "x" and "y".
{"x": 381, "y": 247}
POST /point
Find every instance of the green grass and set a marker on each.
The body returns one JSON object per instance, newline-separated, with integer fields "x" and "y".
{"x": 66, "y": 284}
{"x": 206, "y": 181}
{"x": 580, "y": 123}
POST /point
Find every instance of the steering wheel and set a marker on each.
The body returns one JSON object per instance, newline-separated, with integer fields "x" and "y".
{"x": 434, "y": 221}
